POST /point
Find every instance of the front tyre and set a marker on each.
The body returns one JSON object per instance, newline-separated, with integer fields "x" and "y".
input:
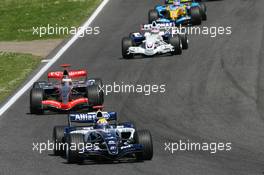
{"x": 175, "y": 41}
{"x": 58, "y": 140}
{"x": 75, "y": 141}
{"x": 36, "y": 98}
{"x": 126, "y": 44}
{"x": 184, "y": 41}
{"x": 203, "y": 11}
{"x": 144, "y": 138}
{"x": 95, "y": 95}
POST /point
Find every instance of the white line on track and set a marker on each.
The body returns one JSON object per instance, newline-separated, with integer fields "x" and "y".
{"x": 16, "y": 96}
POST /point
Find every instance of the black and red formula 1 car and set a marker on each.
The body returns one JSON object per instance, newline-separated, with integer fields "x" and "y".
{"x": 67, "y": 90}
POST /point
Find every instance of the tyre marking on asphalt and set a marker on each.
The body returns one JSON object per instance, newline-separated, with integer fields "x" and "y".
{"x": 18, "y": 94}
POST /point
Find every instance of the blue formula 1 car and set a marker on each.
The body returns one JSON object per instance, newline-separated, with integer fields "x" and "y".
{"x": 192, "y": 3}
{"x": 97, "y": 135}
{"x": 182, "y": 1}
{"x": 179, "y": 13}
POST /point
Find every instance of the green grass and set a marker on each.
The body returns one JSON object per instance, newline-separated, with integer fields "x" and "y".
{"x": 14, "y": 69}
{"x": 18, "y": 17}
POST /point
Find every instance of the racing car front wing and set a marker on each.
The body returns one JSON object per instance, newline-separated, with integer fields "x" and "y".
{"x": 162, "y": 49}
{"x": 122, "y": 152}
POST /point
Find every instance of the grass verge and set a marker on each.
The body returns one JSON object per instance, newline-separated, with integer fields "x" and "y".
{"x": 18, "y": 17}
{"x": 14, "y": 69}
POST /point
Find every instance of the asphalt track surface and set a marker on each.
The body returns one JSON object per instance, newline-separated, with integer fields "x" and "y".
{"x": 214, "y": 92}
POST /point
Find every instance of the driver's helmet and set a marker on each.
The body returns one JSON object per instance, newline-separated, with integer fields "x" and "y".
{"x": 155, "y": 28}
{"x": 177, "y": 2}
{"x": 101, "y": 123}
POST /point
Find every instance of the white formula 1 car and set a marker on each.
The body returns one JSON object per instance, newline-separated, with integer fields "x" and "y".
{"x": 154, "y": 41}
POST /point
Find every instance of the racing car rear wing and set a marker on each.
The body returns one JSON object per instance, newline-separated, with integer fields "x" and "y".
{"x": 167, "y": 28}
{"x": 160, "y": 26}
{"x": 72, "y": 74}
{"x": 91, "y": 117}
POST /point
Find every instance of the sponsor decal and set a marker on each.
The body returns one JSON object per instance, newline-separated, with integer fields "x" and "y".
{"x": 125, "y": 147}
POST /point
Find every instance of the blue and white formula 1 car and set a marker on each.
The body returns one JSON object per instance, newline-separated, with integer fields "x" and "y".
{"x": 154, "y": 39}
{"x": 179, "y": 13}
{"x": 97, "y": 134}
{"x": 192, "y": 3}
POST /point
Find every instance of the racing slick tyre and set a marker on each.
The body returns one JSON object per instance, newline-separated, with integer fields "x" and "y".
{"x": 144, "y": 137}
{"x": 58, "y": 140}
{"x": 196, "y": 18}
{"x": 73, "y": 151}
{"x": 95, "y": 95}
{"x": 126, "y": 44}
{"x": 36, "y": 98}
{"x": 152, "y": 16}
{"x": 203, "y": 11}
{"x": 184, "y": 41}
{"x": 176, "y": 43}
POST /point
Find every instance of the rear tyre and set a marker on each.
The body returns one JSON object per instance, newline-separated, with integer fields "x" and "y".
{"x": 58, "y": 140}
{"x": 36, "y": 98}
{"x": 196, "y": 18}
{"x": 126, "y": 44}
{"x": 203, "y": 7}
{"x": 203, "y": 11}
{"x": 152, "y": 16}
{"x": 73, "y": 152}
{"x": 184, "y": 41}
{"x": 95, "y": 95}
{"x": 144, "y": 137}
{"x": 176, "y": 43}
